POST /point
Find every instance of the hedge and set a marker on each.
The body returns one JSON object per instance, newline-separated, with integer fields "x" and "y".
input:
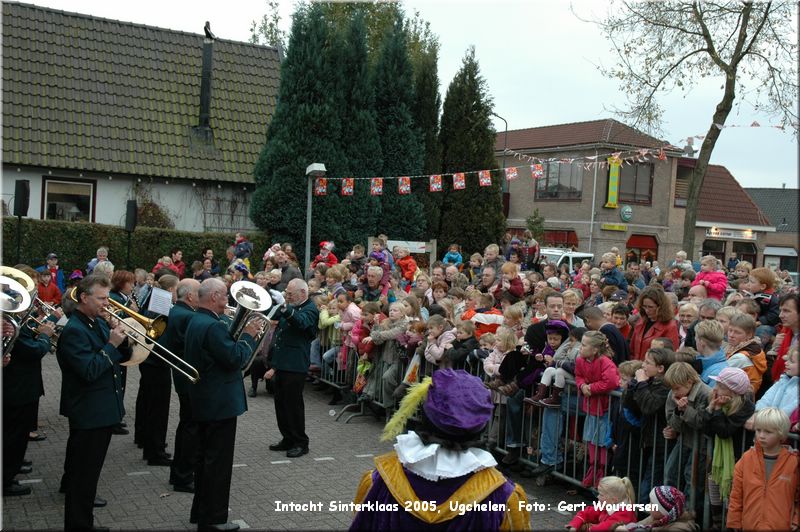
{"x": 76, "y": 243}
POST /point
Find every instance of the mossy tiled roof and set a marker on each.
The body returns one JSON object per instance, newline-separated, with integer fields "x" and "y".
{"x": 93, "y": 94}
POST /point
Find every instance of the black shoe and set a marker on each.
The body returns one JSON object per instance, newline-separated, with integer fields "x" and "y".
{"x": 15, "y": 490}
{"x": 280, "y": 446}
{"x": 27, "y": 462}
{"x": 296, "y": 452}
{"x": 184, "y": 488}
{"x": 251, "y": 392}
{"x": 25, "y": 469}
{"x": 119, "y": 430}
{"x": 100, "y": 502}
{"x": 223, "y": 526}
{"x": 123, "y": 424}
{"x": 159, "y": 461}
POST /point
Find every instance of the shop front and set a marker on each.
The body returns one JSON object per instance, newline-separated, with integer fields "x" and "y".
{"x": 722, "y": 242}
{"x": 641, "y": 248}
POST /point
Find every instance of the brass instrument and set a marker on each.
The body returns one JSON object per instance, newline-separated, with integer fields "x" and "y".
{"x": 253, "y": 300}
{"x": 144, "y": 332}
{"x": 17, "y": 293}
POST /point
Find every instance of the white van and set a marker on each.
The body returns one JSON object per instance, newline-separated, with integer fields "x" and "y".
{"x": 559, "y": 256}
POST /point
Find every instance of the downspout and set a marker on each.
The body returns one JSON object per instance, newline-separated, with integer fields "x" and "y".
{"x": 594, "y": 196}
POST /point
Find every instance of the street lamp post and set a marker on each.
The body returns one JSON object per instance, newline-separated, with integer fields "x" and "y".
{"x": 505, "y": 183}
{"x": 314, "y": 170}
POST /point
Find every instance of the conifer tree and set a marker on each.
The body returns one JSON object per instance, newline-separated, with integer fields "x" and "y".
{"x": 472, "y": 217}
{"x": 401, "y": 215}
{"x": 305, "y": 128}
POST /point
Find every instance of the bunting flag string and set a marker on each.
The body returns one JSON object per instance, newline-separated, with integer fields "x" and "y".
{"x": 538, "y": 166}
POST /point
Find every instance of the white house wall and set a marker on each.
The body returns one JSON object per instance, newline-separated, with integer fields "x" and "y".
{"x": 202, "y": 207}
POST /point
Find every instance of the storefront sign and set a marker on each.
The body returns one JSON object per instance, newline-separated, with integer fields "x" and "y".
{"x": 626, "y": 213}
{"x": 716, "y": 232}
{"x": 614, "y": 227}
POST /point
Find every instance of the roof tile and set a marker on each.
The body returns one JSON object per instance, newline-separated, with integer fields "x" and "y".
{"x": 120, "y": 97}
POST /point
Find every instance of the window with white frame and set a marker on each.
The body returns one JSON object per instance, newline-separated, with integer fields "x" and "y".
{"x": 66, "y": 199}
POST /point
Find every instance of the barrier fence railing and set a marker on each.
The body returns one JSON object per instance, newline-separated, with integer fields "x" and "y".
{"x": 578, "y": 453}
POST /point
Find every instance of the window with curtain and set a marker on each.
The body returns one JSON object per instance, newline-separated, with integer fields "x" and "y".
{"x": 68, "y": 200}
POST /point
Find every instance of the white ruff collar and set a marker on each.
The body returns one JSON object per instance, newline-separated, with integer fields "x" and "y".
{"x": 433, "y": 462}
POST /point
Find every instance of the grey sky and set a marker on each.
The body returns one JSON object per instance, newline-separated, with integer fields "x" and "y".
{"x": 539, "y": 61}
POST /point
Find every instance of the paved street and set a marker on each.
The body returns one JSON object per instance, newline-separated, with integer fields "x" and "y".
{"x": 139, "y": 495}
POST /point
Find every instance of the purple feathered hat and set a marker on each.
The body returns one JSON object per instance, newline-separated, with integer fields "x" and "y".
{"x": 458, "y": 403}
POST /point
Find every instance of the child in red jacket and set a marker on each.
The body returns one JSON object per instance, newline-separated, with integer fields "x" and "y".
{"x": 615, "y": 497}
{"x": 47, "y": 290}
{"x": 325, "y": 256}
{"x": 714, "y": 281}
{"x": 595, "y": 376}
{"x": 407, "y": 265}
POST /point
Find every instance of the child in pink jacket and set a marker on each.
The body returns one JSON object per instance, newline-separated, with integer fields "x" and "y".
{"x": 350, "y": 314}
{"x": 441, "y": 336}
{"x": 714, "y": 281}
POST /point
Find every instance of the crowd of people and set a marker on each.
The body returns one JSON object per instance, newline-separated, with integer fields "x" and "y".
{"x": 649, "y": 359}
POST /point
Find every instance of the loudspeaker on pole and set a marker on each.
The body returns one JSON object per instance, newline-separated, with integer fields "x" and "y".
{"x": 131, "y": 216}
{"x": 22, "y": 197}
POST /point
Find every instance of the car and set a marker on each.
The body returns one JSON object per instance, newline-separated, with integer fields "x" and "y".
{"x": 559, "y": 256}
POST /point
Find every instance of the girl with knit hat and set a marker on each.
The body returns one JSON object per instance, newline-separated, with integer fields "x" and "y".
{"x": 435, "y": 471}
{"x": 669, "y": 514}
{"x": 729, "y": 408}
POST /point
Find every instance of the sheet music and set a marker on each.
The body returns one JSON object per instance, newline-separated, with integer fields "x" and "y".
{"x": 160, "y": 301}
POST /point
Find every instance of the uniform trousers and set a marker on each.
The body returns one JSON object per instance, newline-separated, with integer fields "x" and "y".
{"x": 290, "y": 410}
{"x": 185, "y": 455}
{"x": 86, "y": 453}
{"x": 155, "y": 389}
{"x": 212, "y": 474}
{"x": 16, "y": 425}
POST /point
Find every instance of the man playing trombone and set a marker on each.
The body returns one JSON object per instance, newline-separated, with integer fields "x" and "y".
{"x": 217, "y": 400}
{"x": 89, "y": 353}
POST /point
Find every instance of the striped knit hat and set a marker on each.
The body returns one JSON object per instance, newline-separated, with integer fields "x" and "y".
{"x": 670, "y": 501}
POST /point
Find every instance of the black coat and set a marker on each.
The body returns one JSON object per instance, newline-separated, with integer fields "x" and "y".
{"x": 461, "y": 349}
{"x": 22, "y": 378}
{"x": 174, "y": 339}
{"x": 291, "y": 343}
{"x": 91, "y": 387}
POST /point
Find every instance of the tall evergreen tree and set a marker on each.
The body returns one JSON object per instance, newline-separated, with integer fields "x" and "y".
{"x": 359, "y": 137}
{"x": 427, "y": 104}
{"x": 472, "y": 217}
{"x": 305, "y": 128}
{"x": 401, "y": 215}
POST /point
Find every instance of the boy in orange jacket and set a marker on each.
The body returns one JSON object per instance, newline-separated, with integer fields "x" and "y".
{"x": 766, "y": 480}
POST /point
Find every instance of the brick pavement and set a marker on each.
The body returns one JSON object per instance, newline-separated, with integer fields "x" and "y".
{"x": 139, "y": 496}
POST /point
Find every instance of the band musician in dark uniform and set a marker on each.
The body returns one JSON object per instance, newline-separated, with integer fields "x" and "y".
{"x": 217, "y": 400}
{"x": 181, "y": 474}
{"x": 89, "y": 353}
{"x": 22, "y": 387}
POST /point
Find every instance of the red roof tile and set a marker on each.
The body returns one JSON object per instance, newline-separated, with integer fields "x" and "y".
{"x": 722, "y": 199}
{"x": 606, "y": 131}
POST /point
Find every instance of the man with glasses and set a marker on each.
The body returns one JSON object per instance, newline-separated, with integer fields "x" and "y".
{"x": 707, "y": 310}
{"x": 297, "y": 320}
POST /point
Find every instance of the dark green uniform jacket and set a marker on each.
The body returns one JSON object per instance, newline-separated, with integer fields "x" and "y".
{"x": 174, "y": 339}
{"x": 291, "y": 344}
{"x": 219, "y": 359}
{"x": 22, "y": 378}
{"x": 91, "y": 391}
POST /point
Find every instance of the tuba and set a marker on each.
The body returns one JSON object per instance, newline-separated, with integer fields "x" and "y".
{"x": 252, "y": 301}
{"x": 17, "y": 295}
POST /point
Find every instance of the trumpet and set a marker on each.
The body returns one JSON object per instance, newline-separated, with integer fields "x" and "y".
{"x": 144, "y": 332}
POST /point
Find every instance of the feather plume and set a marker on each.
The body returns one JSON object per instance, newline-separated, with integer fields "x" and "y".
{"x": 416, "y": 394}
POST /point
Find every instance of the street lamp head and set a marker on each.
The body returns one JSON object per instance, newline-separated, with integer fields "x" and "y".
{"x": 315, "y": 169}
